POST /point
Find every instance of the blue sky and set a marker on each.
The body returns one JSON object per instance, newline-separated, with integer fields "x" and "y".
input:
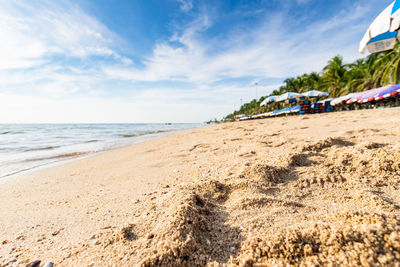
{"x": 163, "y": 60}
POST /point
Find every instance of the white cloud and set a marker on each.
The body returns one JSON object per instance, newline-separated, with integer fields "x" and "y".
{"x": 46, "y": 48}
{"x": 186, "y": 5}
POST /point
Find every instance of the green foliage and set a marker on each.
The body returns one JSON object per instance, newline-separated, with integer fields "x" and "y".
{"x": 337, "y": 79}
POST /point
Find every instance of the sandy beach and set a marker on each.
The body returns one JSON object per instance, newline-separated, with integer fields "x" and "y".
{"x": 320, "y": 189}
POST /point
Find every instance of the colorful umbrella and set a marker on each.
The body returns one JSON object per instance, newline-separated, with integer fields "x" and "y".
{"x": 268, "y": 100}
{"x": 315, "y": 93}
{"x": 392, "y": 90}
{"x": 341, "y": 99}
{"x": 355, "y": 97}
{"x": 370, "y": 94}
{"x": 382, "y": 33}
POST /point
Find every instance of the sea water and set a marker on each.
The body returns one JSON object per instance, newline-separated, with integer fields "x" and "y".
{"x": 25, "y": 147}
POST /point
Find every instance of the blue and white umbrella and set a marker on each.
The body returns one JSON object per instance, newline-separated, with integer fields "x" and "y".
{"x": 395, "y": 25}
{"x": 315, "y": 93}
{"x": 288, "y": 96}
{"x": 383, "y": 32}
{"x": 268, "y": 100}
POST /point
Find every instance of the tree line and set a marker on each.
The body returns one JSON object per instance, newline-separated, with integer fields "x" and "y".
{"x": 336, "y": 78}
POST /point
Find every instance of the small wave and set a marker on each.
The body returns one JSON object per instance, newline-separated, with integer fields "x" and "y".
{"x": 145, "y": 133}
{"x": 66, "y": 155}
{"x": 92, "y": 141}
{"x": 11, "y": 132}
{"x": 41, "y": 148}
{"x": 130, "y": 135}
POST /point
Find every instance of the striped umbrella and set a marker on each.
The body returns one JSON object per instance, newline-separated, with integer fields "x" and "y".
{"x": 381, "y": 35}
{"x": 390, "y": 91}
{"x": 354, "y": 98}
{"x": 341, "y": 99}
{"x": 370, "y": 95}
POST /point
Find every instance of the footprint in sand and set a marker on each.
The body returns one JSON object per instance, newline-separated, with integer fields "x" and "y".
{"x": 184, "y": 155}
{"x": 151, "y": 150}
{"x": 199, "y": 146}
{"x": 363, "y": 131}
{"x": 248, "y": 154}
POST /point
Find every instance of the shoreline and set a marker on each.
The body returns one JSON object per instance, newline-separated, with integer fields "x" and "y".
{"x": 84, "y": 155}
{"x": 218, "y": 195}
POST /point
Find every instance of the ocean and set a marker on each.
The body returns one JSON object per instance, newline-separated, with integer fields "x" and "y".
{"x": 26, "y": 147}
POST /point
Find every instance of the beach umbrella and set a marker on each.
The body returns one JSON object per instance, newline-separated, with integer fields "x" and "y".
{"x": 279, "y": 111}
{"x": 355, "y": 97}
{"x": 390, "y": 91}
{"x": 395, "y": 25}
{"x": 315, "y": 93}
{"x": 295, "y": 109}
{"x": 268, "y": 100}
{"x": 264, "y": 114}
{"x": 371, "y": 94}
{"x": 341, "y": 99}
{"x": 288, "y": 96}
{"x": 382, "y": 34}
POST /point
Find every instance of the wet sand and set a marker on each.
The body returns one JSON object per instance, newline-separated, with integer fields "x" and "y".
{"x": 321, "y": 189}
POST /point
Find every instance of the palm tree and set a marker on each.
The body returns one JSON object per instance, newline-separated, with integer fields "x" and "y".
{"x": 310, "y": 82}
{"x": 334, "y": 76}
{"x": 388, "y": 65}
{"x": 363, "y": 74}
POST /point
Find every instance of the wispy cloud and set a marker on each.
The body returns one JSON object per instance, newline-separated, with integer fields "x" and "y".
{"x": 51, "y": 48}
{"x": 186, "y": 5}
{"x": 31, "y": 32}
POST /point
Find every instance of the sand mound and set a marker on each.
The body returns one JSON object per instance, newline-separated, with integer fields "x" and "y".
{"x": 327, "y": 143}
{"x": 185, "y": 227}
{"x": 196, "y": 223}
{"x": 264, "y": 174}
